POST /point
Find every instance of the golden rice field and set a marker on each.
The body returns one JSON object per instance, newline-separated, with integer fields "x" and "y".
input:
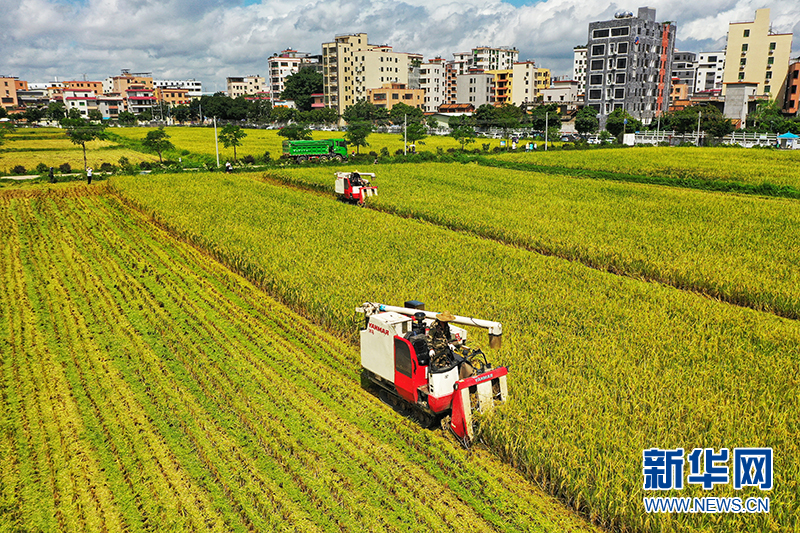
{"x": 201, "y": 141}
{"x": 147, "y": 388}
{"x": 602, "y": 366}
{"x": 743, "y": 165}
{"x": 738, "y": 248}
{"x": 29, "y": 147}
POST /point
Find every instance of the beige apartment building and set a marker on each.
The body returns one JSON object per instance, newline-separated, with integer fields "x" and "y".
{"x": 9, "y": 85}
{"x": 240, "y": 86}
{"x": 351, "y": 66}
{"x": 755, "y": 54}
{"x": 433, "y": 82}
{"x": 120, "y": 84}
{"x": 395, "y": 93}
{"x": 81, "y": 85}
{"x": 528, "y": 82}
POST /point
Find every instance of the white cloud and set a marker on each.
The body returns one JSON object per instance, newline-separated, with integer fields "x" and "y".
{"x": 212, "y": 39}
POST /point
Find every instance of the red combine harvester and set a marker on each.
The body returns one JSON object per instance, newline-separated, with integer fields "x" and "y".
{"x": 422, "y": 366}
{"x": 354, "y": 186}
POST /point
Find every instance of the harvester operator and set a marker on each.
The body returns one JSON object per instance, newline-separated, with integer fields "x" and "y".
{"x": 440, "y": 341}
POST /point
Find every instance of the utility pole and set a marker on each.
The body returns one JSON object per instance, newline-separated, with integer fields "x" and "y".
{"x": 546, "y": 115}
{"x": 699, "y": 114}
{"x": 216, "y": 140}
{"x": 405, "y": 134}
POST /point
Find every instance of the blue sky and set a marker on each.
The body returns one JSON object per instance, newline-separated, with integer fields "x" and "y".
{"x": 210, "y": 40}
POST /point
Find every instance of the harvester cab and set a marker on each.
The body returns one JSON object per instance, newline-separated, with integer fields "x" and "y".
{"x": 355, "y": 186}
{"x": 421, "y": 364}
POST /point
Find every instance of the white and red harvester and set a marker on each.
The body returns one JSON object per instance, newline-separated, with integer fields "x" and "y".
{"x": 397, "y": 356}
{"x": 355, "y": 186}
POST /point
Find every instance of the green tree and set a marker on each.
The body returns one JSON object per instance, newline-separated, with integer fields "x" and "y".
{"x": 295, "y": 132}
{"x": 432, "y": 122}
{"x": 80, "y": 132}
{"x": 415, "y": 132}
{"x": 126, "y": 117}
{"x": 95, "y": 114}
{"x": 403, "y": 113}
{"x": 232, "y": 136}
{"x": 145, "y": 116}
{"x": 181, "y": 113}
{"x": 283, "y": 115}
{"x": 34, "y": 114}
{"x": 299, "y": 87}
{"x": 3, "y": 112}
{"x": 486, "y": 116}
{"x": 364, "y": 111}
{"x": 56, "y": 111}
{"x": 158, "y": 140}
{"x": 586, "y": 121}
{"x": 767, "y": 118}
{"x": 507, "y": 117}
{"x": 357, "y": 133}
{"x": 616, "y": 123}
{"x": 462, "y": 129}
{"x": 543, "y": 115}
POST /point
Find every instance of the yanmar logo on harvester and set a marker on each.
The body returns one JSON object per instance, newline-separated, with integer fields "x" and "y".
{"x": 422, "y": 366}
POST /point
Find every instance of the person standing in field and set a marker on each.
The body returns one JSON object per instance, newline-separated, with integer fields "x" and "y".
{"x": 51, "y": 175}
{"x": 89, "y": 175}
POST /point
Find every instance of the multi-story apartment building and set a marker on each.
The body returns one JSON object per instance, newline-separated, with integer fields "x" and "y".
{"x": 172, "y": 96}
{"x": 194, "y": 88}
{"x": 485, "y": 58}
{"x": 352, "y": 66}
{"x": 9, "y": 85}
{"x": 792, "y": 102}
{"x": 684, "y": 69}
{"x": 565, "y": 93}
{"x": 120, "y": 84}
{"x": 110, "y": 106}
{"x": 451, "y": 77}
{"x": 579, "y": 67}
{"x": 489, "y": 58}
{"x": 139, "y": 98}
{"x": 433, "y": 82}
{"x": 503, "y": 84}
{"x": 630, "y": 60}
{"x": 81, "y": 85}
{"x": 755, "y": 54}
{"x": 475, "y": 87}
{"x": 240, "y": 86}
{"x": 283, "y": 65}
{"x": 528, "y": 82}
{"x": 396, "y": 93}
{"x": 710, "y": 66}
{"x": 84, "y": 100}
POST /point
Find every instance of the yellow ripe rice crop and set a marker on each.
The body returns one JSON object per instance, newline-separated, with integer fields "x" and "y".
{"x": 144, "y": 386}
{"x": 200, "y": 140}
{"x": 602, "y": 366}
{"x": 737, "y": 248}
{"x": 749, "y": 166}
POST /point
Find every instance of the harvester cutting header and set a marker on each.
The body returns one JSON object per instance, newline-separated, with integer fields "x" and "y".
{"x": 420, "y": 362}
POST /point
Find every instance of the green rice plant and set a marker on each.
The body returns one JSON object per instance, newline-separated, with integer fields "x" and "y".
{"x": 736, "y": 248}
{"x": 603, "y": 366}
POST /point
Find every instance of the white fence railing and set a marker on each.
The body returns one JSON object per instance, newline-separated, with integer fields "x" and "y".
{"x": 747, "y": 140}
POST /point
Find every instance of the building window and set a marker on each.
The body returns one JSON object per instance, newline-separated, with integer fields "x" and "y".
{"x": 596, "y": 79}
{"x": 619, "y": 32}
{"x": 743, "y": 61}
{"x": 594, "y": 94}
{"x": 599, "y": 34}
{"x": 597, "y": 64}
{"x": 767, "y": 89}
{"x": 741, "y": 75}
{"x": 620, "y": 78}
{"x": 619, "y": 94}
{"x": 770, "y": 60}
{"x": 622, "y": 62}
{"x": 622, "y": 48}
{"x": 747, "y": 33}
{"x": 598, "y": 50}
{"x": 744, "y": 47}
{"x": 769, "y": 75}
{"x": 772, "y": 46}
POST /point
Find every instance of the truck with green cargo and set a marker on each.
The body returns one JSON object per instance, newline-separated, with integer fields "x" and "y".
{"x": 322, "y": 150}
